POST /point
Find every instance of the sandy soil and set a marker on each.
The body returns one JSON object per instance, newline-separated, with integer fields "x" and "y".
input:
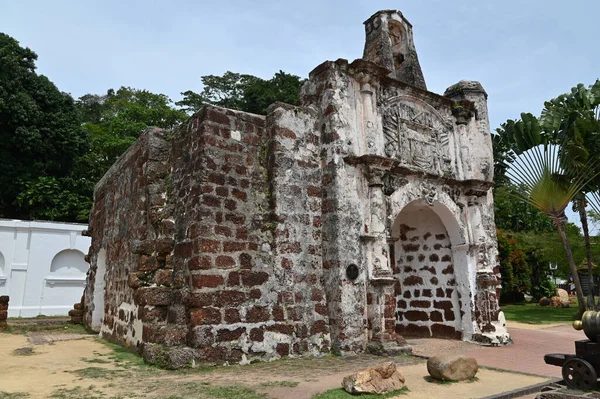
{"x": 87, "y": 368}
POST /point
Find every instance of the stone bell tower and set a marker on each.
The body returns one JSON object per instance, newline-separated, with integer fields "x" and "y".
{"x": 389, "y": 43}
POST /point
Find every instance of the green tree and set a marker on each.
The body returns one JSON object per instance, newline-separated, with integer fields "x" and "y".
{"x": 514, "y": 269}
{"x": 514, "y": 215}
{"x": 574, "y": 119}
{"x": 542, "y": 180}
{"x": 243, "y": 92}
{"x": 113, "y": 122}
{"x": 40, "y": 134}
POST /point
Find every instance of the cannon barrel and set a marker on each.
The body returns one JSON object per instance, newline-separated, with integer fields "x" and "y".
{"x": 590, "y": 324}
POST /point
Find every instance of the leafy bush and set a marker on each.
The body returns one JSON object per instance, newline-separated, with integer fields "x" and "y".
{"x": 515, "y": 272}
{"x": 546, "y": 288}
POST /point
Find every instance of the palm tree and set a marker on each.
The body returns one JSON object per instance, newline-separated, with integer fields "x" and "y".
{"x": 541, "y": 180}
{"x": 573, "y": 118}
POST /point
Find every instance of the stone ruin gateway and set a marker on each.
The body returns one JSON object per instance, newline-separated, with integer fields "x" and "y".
{"x": 343, "y": 224}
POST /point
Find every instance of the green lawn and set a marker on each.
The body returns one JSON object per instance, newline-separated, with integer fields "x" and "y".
{"x": 532, "y": 313}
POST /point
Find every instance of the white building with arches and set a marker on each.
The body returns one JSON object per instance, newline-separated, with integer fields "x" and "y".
{"x": 42, "y": 266}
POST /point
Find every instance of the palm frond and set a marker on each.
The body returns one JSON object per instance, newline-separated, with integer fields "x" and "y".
{"x": 544, "y": 182}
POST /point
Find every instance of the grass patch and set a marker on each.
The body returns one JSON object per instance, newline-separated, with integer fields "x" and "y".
{"x": 13, "y": 395}
{"x": 532, "y": 313}
{"x": 340, "y": 393}
{"x": 121, "y": 356}
{"x": 205, "y": 391}
{"x": 82, "y": 393}
{"x": 94, "y": 360}
{"x": 447, "y": 382}
{"x": 287, "y": 384}
{"x": 99, "y": 373}
{"x": 62, "y": 328}
{"x": 233, "y": 392}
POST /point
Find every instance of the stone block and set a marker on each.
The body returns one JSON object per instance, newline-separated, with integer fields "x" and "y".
{"x": 229, "y": 298}
{"x": 251, "y": 279}
{"x": 230, "y": 335}
{"x": 207, "y": 280}
{"x": 200, "y": 316}
{"x": 452, "y": 367}
{"x": 171, "y": 358}
{"x": 282, "y": 349}
{"x": 142, "y": 247}
{"x": 153, "y": 296}
{"x": 257, "y": 314}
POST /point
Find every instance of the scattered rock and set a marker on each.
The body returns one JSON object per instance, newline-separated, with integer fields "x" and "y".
{"x": 389, "y": 347}
{"x": 544, "y": 301}
{"x": 556, "y": 302}
{"x": 563, "y": 295}
{"x": 170, "y": 358}
{"x": 452, "y": 367}
{"x": 381, "y": 379}
{"x": 26, "y": 351}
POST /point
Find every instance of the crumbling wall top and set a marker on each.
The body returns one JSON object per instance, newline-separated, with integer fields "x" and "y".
{"x": 389, "y": 43}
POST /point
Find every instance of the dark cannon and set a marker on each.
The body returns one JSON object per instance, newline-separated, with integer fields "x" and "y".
{"x": 580, "y": 371}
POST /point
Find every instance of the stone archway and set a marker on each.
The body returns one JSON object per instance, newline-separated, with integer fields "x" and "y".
{"x": 407, "y": 199}
{"x": 427, "y": 296}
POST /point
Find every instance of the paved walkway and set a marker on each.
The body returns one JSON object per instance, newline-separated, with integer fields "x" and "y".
{"x": 526, "y": 355}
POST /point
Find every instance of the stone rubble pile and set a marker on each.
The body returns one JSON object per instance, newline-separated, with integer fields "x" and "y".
{"x": 3, "y": 311}
{"x": 381, "y": 379}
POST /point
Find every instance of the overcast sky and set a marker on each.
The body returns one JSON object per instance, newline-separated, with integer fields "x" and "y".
{"x": 523, "y": 51}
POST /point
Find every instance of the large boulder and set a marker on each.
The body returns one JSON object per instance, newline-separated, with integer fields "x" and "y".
{"x": 381, "y": 379}
{"x": 563, "y": 295}
{"x": 452, "y": 367}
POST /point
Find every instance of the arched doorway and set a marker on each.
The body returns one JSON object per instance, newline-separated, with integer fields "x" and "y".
{"x": 427, "y": 298}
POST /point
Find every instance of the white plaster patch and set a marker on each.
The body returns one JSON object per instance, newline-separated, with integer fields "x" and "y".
{"x": 236, "y": 135}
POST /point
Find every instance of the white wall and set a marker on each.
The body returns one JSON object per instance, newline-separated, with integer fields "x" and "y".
{"x": 42, "y": 266}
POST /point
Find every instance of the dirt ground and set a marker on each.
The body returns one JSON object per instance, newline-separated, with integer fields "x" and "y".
{"x": 80, "y": 366}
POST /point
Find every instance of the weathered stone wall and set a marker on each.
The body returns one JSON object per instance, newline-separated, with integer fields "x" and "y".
{"x": 296, "y": 182}
{"x": 254, "y": 285}
{"x": 344, "y": 188}
{"x": 389, "y": 43}
{"x": 213, "y": 269}
{"x": 123, "y": 224}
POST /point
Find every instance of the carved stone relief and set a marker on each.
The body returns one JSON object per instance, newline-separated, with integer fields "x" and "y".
{"x": 429, "y": 192}
{"x": 417, "y": 138}
{"x": 392, "y": 182}
{"x": 453, "y": 192}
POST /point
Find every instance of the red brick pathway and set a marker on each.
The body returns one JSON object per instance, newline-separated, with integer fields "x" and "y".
{"x": 526, "y": 355}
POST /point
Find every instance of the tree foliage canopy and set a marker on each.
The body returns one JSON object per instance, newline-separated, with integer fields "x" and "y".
{"x": 40, "y": 134}
{"x": 53, "y": 150}
{"x": 243, "y": 92}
